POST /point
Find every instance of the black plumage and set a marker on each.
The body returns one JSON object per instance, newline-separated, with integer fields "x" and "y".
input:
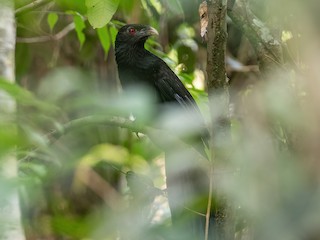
{"x": 137, "y": 66}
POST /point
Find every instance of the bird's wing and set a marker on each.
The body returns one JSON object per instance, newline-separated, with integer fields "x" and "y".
{"x": 171, "y": 88}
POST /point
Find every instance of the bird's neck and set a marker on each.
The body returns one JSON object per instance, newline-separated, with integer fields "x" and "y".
{"x": 131, "y": 54}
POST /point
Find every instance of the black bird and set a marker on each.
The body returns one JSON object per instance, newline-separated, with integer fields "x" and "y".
{"x": 138, "y": 66}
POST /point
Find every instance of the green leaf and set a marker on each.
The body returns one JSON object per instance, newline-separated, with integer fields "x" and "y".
{"x": 113, "y": 32}
{"x": 79, "y": 27}
{"x": 52, "y": 20}
{"x": 73, "y": 227}
{"x": 104, "y": 39}
{"x": 9, "y": 137}
{"x": 100, "y": 12}
{"x": 74, "y": 5}
{"x": 127, "y": 6}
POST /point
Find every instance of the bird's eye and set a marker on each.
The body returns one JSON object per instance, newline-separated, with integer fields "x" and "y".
{"x": 132, "y": 31}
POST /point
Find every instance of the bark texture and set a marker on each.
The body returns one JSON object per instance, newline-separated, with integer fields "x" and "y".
{"x": 219, "y": 106}
{"x": 10, "y": 223}
{"x": 216, "y": 69}
{"x": 267, "y": 46}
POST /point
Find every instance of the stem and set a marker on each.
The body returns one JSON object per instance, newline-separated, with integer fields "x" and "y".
{"x": 48, "y": 38}
{"x": 208, "y": 213}
{"x": 154, "y": 134}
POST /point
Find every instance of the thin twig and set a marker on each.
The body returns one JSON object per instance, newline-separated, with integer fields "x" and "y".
{"x": 33, "y": 5}
{"x": 52, "y": 136}
{"x": 208, "y": 213}
{"x": 154, "y": 134}
{"x": 48, "y": 38}
{"x": 193, "y": 211}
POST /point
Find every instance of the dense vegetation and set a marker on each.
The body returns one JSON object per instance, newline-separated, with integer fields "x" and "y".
{"x": 86, "y": 171}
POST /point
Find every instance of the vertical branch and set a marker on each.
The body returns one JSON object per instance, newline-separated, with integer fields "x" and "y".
{"x": 209, "y": 206}
{"x": 216, "y": 69}
{"x": 33, "y": 5}
{"x": 219, "y": 101}
{"x": 216, "y": 47}
{"x": 10, "y": 225}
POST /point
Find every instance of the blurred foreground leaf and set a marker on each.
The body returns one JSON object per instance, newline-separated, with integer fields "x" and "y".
{"x": 26, "y": 98}
{"x": 8, "y": 137}
{"x": 105, "y": 152}
{"x": 72, "y": 227}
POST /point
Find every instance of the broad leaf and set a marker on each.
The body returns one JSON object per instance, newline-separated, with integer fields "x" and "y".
{"x": 100, "y": 12}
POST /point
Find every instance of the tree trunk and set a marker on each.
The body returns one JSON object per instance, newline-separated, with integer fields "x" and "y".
{"x": 219, "y": 108}
{"x": 10, "y": 224}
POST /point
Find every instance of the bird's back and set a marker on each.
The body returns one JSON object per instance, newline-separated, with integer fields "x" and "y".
{"x": 146, "y": 69}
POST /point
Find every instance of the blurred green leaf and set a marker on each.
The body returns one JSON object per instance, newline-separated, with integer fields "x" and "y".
{"x": 34, "y": 137}
{"x": 25, "y": 98}
{"x": 79, "y": 26}
{"x": 156, "y": 5}
{"x": 127, "y": 6}
{"x": 107, "y": 152}
{"x": 8, "y": 137}
{"x": 100, "y": 12}
{"x": 104, "y": 38}
{"x": 73, "y": 227}
{"x": 52, "y": 20}
{"x": 37, "y": 171}
{"x": 175, "y": 6}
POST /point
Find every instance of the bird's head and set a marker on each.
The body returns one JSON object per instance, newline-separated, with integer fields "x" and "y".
{"x": 135, "y": 34}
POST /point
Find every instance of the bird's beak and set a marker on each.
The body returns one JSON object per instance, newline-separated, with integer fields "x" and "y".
{"x": 152, "y": 31}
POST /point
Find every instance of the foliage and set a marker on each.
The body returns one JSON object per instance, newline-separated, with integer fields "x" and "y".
{"x": 76, "y": 184}
{"x": 100, "y": 12}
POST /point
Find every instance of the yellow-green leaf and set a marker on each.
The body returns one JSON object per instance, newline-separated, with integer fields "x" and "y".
{"x": 52, "y": 20}
{"x": 79, "y": 27}
{"x": 100, "y": 12}
{"x": 113, "y": 32}
{"x": 104, "y": 39}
